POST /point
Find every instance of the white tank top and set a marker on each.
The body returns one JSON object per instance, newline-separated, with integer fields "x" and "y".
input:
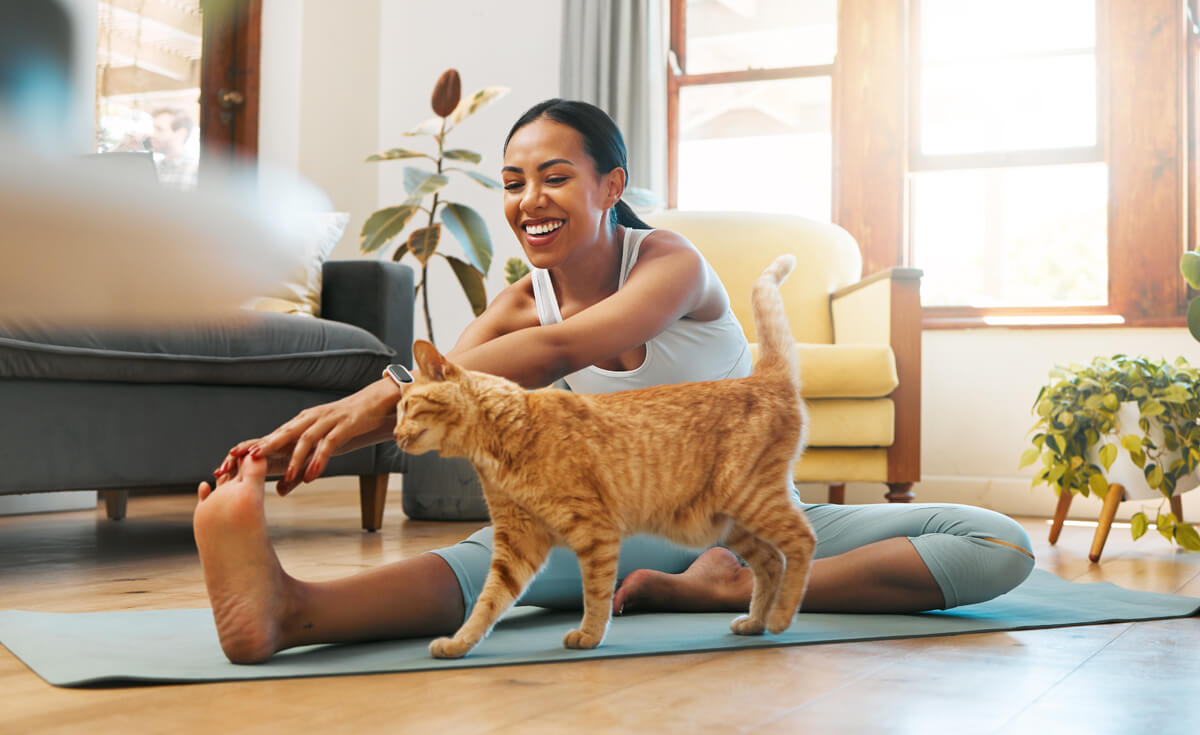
{"x": 685, "y": 351}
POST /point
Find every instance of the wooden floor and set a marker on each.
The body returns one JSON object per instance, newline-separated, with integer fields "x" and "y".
{"x": 1093, "y": 679}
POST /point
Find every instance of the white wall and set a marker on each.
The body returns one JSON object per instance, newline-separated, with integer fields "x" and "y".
{"x": 512, "y": 44}
{"x": 319, "y": 100}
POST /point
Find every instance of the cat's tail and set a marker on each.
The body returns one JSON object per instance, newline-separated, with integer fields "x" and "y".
{"x": 777, "y": 348}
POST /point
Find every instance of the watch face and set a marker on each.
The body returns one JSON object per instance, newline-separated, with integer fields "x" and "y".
{"x": 399, "y": 373}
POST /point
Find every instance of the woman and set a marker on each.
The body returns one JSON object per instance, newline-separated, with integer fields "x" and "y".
{"x": 610, "y": 305}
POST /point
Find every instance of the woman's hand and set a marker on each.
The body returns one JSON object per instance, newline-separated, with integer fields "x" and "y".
{"x": 301, "y": 449}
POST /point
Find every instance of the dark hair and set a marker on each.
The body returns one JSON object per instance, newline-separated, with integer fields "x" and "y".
{"x": 602, "y": 142}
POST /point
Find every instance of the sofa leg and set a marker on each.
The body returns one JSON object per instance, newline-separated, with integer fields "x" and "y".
{"x": 114, "y": 503}
{"x": 372, "y": 492}
{"x": 899, "y": 492}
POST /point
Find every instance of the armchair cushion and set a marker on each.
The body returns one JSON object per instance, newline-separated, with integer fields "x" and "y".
{"x": 851, "y": 422}
{"x": 844, "y": 371}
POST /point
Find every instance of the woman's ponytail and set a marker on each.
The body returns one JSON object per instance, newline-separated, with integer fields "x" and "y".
{"x": 622, "y": 214}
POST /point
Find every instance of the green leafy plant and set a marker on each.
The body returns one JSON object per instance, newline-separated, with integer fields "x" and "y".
{"x": 1077, "y": 412}
{"x": 467, "y": 226}
{"x": 514, "y": 270}
{"x": 1189, "y": 266}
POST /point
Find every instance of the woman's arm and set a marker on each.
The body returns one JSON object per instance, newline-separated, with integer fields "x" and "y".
{"x": 301, "y": 448}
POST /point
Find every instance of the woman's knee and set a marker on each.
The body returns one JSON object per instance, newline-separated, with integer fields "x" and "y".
{"x": 999, "y": 528}
{"x": 976, "y": 554}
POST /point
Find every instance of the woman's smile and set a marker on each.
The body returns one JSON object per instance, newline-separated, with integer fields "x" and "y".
{"x": 541, "y": 232}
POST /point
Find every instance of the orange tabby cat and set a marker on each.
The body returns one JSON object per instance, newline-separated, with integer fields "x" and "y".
{"x": 698, "y": 463}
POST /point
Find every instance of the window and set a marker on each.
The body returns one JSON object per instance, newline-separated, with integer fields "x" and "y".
{"x": 148, "y": 85}
{"x": 1032, "y": 156}
{"x": 749, "y": 110}
{"x": 1007, "y": 174}
{"x": 177, "y": 78}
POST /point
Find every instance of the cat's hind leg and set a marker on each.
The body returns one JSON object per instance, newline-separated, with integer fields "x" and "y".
{"x": 519, "y": 548}
{"x": 598, "y": 567}
{"x": 767, "y": 564}
{"x": 781, "y": 523}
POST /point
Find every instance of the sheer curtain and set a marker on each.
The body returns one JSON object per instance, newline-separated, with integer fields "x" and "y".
{"x": 614, "y": 55}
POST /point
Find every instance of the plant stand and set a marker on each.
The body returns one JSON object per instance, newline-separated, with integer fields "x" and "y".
{"x": 1116, "y": 493}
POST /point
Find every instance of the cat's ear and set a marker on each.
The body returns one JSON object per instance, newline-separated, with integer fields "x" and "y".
{"x": 431, "y": 362}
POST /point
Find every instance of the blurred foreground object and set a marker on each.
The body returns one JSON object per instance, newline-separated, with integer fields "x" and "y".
{"x": 93, "y": 241}
{"x": 106, "y": 244}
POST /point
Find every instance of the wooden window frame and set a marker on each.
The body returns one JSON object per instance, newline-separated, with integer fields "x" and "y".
{"x": 1141, "y": 52}
{"x": 1147, "y": 131}
{"x": 678, "y": 78}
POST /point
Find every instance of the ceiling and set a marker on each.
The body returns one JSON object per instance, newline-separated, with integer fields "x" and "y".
{"x": 148, "y": 46}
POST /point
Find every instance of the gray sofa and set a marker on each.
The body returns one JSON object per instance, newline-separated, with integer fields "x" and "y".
{"x": 119, "y": 410}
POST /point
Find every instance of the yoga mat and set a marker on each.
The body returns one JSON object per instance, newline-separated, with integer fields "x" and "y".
{"x": 76, "y": 649}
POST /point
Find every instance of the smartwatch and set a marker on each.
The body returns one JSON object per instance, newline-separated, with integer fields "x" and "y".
{"x": 398, "y": 374}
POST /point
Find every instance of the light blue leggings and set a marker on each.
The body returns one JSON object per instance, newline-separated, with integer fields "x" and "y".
{"x": 973, "y": 554}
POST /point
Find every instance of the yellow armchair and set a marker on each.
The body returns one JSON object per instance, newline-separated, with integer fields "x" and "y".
{"x": 859, "y": 340}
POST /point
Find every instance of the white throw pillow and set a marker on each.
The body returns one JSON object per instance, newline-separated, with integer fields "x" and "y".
{"x": 300, "y": 292}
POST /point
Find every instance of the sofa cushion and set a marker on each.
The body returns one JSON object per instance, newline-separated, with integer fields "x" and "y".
{"x": 250, "y": 348}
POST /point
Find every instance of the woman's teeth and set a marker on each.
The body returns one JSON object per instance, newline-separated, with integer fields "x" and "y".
{"x": 544, "y": 228}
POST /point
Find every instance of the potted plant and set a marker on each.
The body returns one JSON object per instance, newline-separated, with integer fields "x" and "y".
{"x": 1089, "y": 414}
{"x": 421, "y": 184}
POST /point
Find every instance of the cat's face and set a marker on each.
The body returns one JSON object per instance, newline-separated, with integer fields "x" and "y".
{"x": 421, "y": 419}
{"x": 432, "y": 405}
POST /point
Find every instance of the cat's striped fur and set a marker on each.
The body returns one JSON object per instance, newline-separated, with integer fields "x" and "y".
{"x": 698, "y": 463}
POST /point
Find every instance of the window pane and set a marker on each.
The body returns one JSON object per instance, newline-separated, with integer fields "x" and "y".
{"x": 757, "y": 146}
{"x": 984, "y": 106}
{"x": 148, "y": 84}
{"x": 967, "y": 29}
{"x": 1025, "y": 80}
{"x": 1012, "y": 236}
{"x": 735, "y": 35}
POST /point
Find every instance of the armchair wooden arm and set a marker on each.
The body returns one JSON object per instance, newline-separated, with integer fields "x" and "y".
{"x": 856, "y": 311}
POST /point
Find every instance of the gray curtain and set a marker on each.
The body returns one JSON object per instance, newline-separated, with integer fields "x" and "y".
{"x": 614, "y": 55}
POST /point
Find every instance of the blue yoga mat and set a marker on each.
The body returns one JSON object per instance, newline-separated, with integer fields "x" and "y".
{"x": 75, "y": 649}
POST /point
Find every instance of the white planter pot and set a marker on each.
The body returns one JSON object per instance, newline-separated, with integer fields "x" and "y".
{"x": 1124, "y": 471}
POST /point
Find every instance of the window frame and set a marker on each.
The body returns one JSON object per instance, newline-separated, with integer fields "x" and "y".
{"x": 678, "y": 78}
{"x": 1147, "y": 58}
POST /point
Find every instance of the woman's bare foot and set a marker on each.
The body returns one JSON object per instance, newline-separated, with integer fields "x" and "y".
{"x": 715, "y": 582}
{"x": 246, "y": 584}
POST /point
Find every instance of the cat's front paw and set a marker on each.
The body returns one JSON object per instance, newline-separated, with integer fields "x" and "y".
{"x": 579, "y": 639}
{"x": 746, "y": 625}
{"x": 449, "y": 648}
